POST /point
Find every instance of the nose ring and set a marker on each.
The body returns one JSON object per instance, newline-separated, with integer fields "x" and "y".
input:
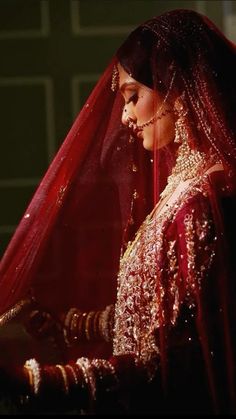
{"x": 130, "y": 123}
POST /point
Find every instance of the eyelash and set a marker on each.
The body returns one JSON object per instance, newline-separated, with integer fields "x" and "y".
{"x": 133, "y": 98}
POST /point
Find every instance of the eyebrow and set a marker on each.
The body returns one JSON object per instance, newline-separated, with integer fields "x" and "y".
{"x": 127, "y": 84}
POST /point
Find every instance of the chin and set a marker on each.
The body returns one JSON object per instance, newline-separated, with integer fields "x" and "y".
{"x": 148, "y": 145}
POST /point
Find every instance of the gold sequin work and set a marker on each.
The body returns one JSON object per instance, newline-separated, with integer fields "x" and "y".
{"x": 151, "y": 287}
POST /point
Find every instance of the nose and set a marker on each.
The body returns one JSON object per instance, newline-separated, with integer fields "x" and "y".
{"x": 127, "y": 116}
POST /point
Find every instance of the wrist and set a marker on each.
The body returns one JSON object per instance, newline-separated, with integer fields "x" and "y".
{"x": 88, "y": 326}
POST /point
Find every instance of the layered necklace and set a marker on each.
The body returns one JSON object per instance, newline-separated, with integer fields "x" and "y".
{"x": 189, "y": 164}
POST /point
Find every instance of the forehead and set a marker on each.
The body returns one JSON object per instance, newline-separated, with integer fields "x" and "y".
{"x": 127, "y": 82}
{"x": 125, "y": 78}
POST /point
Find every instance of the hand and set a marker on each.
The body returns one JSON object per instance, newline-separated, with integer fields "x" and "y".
{"x": 41, "y": 324}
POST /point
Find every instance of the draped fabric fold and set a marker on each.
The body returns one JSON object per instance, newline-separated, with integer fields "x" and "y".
{"x": 173, "y": 283}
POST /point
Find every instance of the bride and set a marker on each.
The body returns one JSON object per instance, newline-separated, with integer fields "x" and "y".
{"x": 124, "y": 257}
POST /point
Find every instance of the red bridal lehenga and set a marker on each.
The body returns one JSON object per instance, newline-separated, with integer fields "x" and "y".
{"x": 139, "y": 272}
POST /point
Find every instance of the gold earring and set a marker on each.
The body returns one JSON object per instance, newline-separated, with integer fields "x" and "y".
{"x": 181, "y": 131}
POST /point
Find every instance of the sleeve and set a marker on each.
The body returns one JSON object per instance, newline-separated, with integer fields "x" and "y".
{"x": 190, "y": 334}
{"x": 188, "y": 255}
{"x": 196, "y": 247}
{"x": 84, "y": 386}
{"x": 188, "y": 260}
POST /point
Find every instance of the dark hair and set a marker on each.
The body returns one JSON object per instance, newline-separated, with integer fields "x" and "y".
{"x": 189, "y": 46}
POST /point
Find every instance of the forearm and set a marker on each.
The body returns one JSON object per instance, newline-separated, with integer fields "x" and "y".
{"x": 88, "y": 326}
{"x": 80, "y": 385}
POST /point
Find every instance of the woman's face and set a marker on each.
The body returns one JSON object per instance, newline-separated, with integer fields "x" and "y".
{"x": 144, "y": 112}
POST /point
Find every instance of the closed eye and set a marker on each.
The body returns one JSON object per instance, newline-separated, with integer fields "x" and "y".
{"x": 133, "y": 98}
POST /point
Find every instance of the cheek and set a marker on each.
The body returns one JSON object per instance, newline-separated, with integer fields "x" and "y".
{"x": 166, "y": 131}
{"x": 145, "y": 109}
{"x": 166, "y": 126}
{"x": 161, "y": 133}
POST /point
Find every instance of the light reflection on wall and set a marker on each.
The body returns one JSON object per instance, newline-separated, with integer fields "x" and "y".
{"x": 229, "y": 19}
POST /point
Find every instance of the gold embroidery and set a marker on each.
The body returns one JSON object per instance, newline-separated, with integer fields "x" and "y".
{"x": 145, "y": 284}
{"x": 201, "y": 231}
{"x": 172, "y": 279}
{"x": 60, "y": 195}
{"x": 189, "y": 235}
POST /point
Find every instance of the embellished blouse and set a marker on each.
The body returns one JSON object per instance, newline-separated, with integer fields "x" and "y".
{"x": 162, "y": 270}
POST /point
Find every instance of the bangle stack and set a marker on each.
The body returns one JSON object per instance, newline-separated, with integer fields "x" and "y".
{"x": 94, "y": 325}
{"x": 34, "y": 374}
{"x": 84, "y": 374}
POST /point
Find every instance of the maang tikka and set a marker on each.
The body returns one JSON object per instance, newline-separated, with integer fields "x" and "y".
{"x": 115, "y": 78}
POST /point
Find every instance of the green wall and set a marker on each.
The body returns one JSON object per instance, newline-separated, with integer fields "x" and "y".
{"x": 52, "y": 52}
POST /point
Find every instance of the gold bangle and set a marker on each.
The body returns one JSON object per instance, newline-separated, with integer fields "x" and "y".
{"x": 89, "y": 377}
{"x": 67, "y": 325}
{"x": 64, "y": 377}
{"x": 73, "y": 329}
{"x": 70, "y": 367}
{"x": 80, "y": 329}
{"x": 34, "y": 368}
{"x": 87, "y": 324}
{"x": 30, "y": 376}
{"x": 95, "y": 324}
{"x": 68, "y": 316}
